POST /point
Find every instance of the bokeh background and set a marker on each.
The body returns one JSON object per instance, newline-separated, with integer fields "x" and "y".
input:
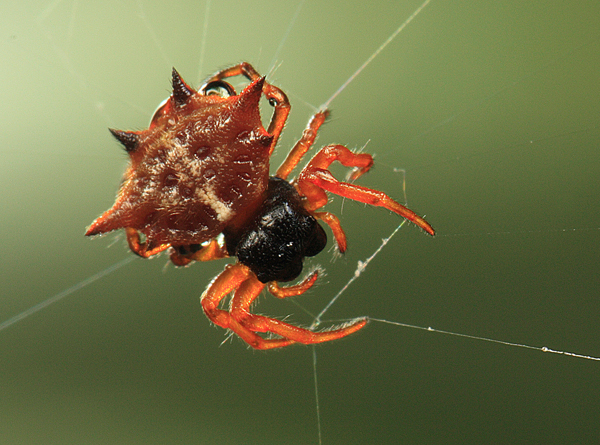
{"x": 493, "y": 110}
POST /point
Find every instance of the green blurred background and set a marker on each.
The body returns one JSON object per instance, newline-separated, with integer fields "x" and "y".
{"x": 491, "y": 107}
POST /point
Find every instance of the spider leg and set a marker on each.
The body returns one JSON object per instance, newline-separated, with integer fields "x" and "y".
{"x": 315, "y": 179}
{"x": 241, "y": 69}
{"x": 229, "y": 280}
{"x": 246, "y": 325}
{"x": 211, "y": 251}
{"x": 277, "y": 98}
{"x": 294, "y": 290}
{"x": 143, "y": 249}
{"x": 336, "y": 227}
{"x": 240, "y": 312}
{"x": 303, "y": 144}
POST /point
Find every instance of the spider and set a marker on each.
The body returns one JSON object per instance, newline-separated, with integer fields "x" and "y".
{"x": 198, "y": 184}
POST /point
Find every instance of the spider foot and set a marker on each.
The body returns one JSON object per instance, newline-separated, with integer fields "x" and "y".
{"x": 296, "y": 289}
{"x": 290, "y": 333}
{"x": 315, "y": 180}
{"x": 246, "y": 287}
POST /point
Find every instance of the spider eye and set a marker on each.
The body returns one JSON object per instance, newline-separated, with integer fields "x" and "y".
{"x": 217, "y": 88}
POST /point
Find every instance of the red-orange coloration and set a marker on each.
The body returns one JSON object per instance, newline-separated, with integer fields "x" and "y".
{"x": 201, "y": 169}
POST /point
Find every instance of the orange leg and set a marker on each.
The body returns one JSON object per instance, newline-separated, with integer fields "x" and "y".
{"x": 336, "y": 227}
{"x": 315, "y": 179}
{"x": 296, "y": 289}
{"x": 242, "y": 321}
{"x": 145, "y": 250}
{"x": 277, "y": 98}
{"x": 225, "y": 283}
{"x": 303, "y": 145}
{"x": 240, "y": 279}
{"x": 211, "y": 251}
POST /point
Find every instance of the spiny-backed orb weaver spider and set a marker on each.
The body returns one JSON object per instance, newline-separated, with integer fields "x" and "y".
{"x": 202, "y": 169}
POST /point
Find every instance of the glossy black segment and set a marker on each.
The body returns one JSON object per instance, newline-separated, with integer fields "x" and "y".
{"x": 278, "y": 236}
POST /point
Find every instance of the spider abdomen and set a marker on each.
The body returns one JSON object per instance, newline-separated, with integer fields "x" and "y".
{"x": 203, "y": 160}
{"x": 275, "y": 240}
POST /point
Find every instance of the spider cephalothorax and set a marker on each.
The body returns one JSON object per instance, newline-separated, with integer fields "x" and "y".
{"x": 202, "y": 169}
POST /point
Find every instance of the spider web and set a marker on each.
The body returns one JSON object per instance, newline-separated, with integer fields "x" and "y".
{"x": 498, "y": 142}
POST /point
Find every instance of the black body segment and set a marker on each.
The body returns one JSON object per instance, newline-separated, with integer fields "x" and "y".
{"x": 278, "y": 237}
